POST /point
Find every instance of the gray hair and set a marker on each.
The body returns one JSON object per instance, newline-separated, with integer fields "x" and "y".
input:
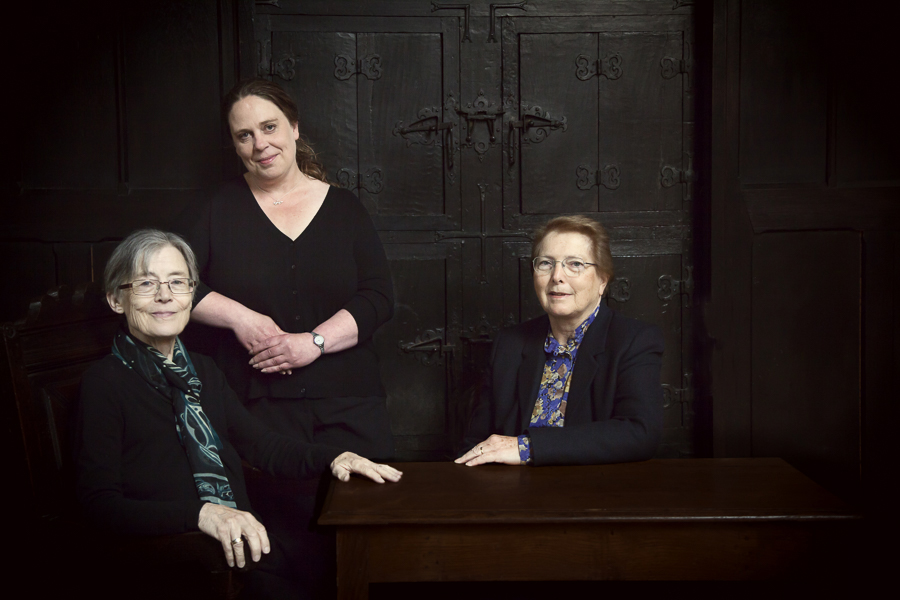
{"x": 131, "y": 258}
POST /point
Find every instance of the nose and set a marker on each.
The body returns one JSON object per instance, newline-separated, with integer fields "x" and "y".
{"x": 259, "y": 142}
{"x": 164, "y": 294}
{"x": 557, "y": 273}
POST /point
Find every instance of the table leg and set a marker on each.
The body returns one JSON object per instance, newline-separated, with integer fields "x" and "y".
{"x": 352, "y": 564}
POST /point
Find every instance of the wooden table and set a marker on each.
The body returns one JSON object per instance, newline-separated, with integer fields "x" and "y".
{"x": 695, "y": 519}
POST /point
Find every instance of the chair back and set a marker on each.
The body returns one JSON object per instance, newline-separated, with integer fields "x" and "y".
{"x": 46, "y": 353}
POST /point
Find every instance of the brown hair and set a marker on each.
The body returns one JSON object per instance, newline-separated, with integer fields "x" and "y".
{"x": 271, "y": 91}
{"x": 587, "y": 227}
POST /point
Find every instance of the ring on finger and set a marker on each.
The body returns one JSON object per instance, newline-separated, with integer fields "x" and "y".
{"x": 481, "y": 449}
{"x": 237, "y": 541}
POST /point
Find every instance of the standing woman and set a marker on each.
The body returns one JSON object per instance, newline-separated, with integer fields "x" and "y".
{"x": 295, "y": 268}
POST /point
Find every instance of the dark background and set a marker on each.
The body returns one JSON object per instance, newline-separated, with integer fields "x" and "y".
{"x": 787, "y": 225}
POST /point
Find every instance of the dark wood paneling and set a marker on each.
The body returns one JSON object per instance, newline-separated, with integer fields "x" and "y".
{"x": 865, "y": 81}
{"x": 783, "y": 110}
{"x": 806, "y": 353}
{"x": 171, "y": 91}
{"x": 26, "y": 267}
{"x": 881, "y": 364}
{"x": 731, "y": 247}
{"x": 820, "y": 207}
{"x": 68, "y": 102}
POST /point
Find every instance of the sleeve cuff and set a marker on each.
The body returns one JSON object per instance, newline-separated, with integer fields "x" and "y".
{"x": 524, "y": 449}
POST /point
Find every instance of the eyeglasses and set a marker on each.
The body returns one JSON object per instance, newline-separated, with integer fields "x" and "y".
{"x": 573, "y": 267}
{"x": 150, "y": 287}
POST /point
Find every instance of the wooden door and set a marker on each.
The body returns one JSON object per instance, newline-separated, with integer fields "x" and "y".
{"x": 462, "y": 127}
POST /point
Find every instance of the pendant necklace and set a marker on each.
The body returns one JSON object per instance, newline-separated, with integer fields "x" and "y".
{"x": 280, "y": 198}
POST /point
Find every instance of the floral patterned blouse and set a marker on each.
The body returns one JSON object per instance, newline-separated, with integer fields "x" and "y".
{"x": 550, "y": 407}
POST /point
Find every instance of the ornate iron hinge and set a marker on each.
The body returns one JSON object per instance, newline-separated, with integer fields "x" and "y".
{"x": 479, "y": 111}
{"x": 428, "y": 348}
{"x": 680, "y": 396}
{"x": 346, "y": 67}
{"x": 536, "y": 124}
{"x": 372, "y": 180}
{"x": 608, "y": 66}
{"x": 670, "y": 176}
{"x": 619, "y": 289}
{"x": 586, "y": 178}
{"x": 427, "y": 131}
{"x": 668, "y": 286}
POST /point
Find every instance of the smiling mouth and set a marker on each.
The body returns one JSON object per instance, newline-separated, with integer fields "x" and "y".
{"x": 267, "y": 160}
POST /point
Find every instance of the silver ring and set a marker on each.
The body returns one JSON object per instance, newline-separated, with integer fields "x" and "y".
{"x": 237, "y": 541}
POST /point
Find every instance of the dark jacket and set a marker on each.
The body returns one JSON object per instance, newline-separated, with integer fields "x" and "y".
{"x": 615, "y": 402}
{"x": 133, "y": 476}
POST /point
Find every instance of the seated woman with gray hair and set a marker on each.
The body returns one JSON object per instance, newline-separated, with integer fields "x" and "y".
{"x": 579, "y": 385}
{"x": 159, "y": 435}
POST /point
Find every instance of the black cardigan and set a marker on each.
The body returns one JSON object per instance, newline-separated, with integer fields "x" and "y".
{"x": 337, "y": 262}
{"x": 615, "y": 403}
{"x": 132, "y": 474}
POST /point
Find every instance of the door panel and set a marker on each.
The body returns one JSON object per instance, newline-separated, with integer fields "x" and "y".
{"x": 460, "y": 141}
{"x": 412, "y": 163}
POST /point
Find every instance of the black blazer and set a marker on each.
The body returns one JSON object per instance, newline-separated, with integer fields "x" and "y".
{"x": 615, "y": 402}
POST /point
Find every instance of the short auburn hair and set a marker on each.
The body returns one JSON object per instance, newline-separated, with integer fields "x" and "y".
{"x": 587, "y": 227}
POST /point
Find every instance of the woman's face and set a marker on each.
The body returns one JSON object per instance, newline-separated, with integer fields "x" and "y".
{"x": 263, "y": 137}
{"x": 568, "y": 300}
{"x": 156, "y": 320}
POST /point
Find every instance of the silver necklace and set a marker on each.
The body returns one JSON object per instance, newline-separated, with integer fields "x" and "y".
{"x": 280, "y": 198}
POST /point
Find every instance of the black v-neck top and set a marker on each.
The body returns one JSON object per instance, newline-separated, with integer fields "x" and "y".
{"x": 337, "y": 262}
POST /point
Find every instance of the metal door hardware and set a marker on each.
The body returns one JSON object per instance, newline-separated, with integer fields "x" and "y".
{"x": 427, "y": 131}
{"x": 668, "y": 286}
{"x": 535, "y": 125}
{"x": 372, "y": 180}
{"x": 619, "y": 289}
{"x": 479, "y": 111}
{"x": 608, "y": 66}
{"x": 493, "y": 16}
{"x": 346, "y": 67}
{"x": 429, "y": 347}
{"x": 587, "y": 178}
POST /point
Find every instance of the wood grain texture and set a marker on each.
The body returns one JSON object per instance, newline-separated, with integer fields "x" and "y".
{"x": 696, "y": 519}
{"x": 692, "y": 490}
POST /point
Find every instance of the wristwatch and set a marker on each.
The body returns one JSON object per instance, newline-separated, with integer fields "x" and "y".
{"x": 319, "y": 341}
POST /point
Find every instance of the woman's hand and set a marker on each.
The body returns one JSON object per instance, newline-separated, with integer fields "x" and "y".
{"x": 501, "y": 449}
{"x": 253, "y": 328}
{"x": 284, "y": 352}
{"x": 348, "y": 463}
{"x": 229, "y": 524}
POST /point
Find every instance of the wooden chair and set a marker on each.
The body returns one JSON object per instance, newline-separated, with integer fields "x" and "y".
{"x": 47, "y": 352}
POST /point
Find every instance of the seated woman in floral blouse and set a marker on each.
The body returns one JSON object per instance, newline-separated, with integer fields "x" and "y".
{"x": 579, "y": 385}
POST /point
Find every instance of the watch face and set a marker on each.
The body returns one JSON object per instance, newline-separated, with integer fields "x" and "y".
{"x": 318, "y": 340}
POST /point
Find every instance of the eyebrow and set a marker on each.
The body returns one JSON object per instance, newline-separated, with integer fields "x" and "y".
{"x": 152, "y": 274}
{"x": 261, "y": 124}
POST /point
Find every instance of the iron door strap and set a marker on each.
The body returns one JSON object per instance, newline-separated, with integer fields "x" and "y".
{"x": 535, "y": 125}
{"x": 429, "y": 122}
{"x": 428, "y": 348}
